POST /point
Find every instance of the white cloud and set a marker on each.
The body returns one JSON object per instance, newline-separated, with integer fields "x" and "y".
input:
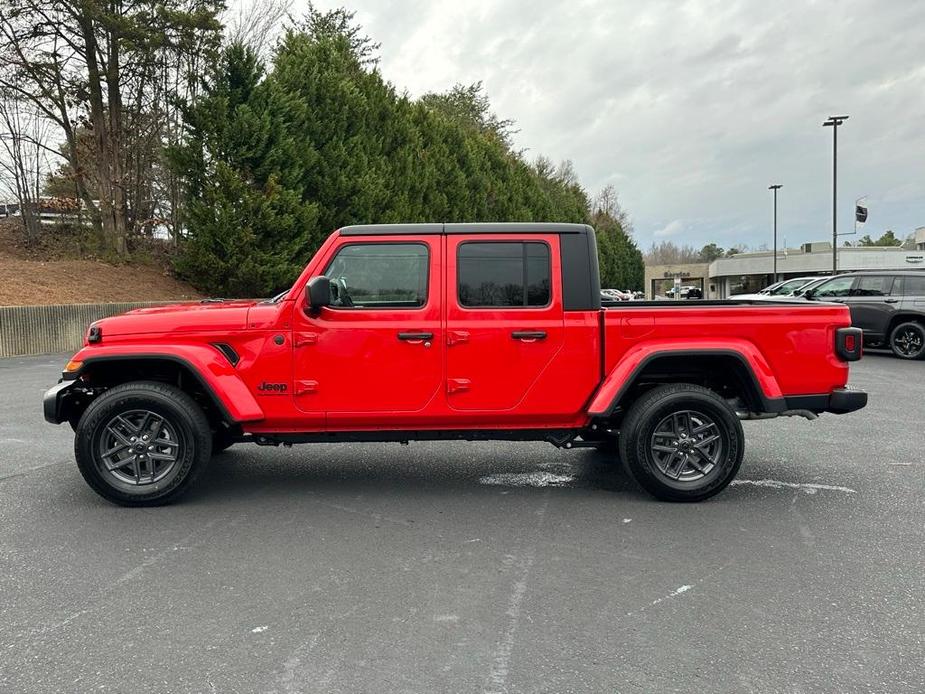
{"x": 691, "y": 109}
{"x": 673, "y": 228}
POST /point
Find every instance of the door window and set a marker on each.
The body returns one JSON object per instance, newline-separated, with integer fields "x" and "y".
{"x": 840, "y": 286}
{"x": 379, "y": 275}
{"x": 873, "y": 286}
{"x": 503, "y": 274}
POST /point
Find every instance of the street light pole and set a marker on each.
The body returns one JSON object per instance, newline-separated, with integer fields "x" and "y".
{"x": 775, "y": 188}
{"x": 834, "y": 122}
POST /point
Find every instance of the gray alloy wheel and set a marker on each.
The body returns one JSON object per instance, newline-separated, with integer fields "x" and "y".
{"x": 908, "y": 340}
{"x": 681, "y": 442}
{"x": 139, "y": 447}
{"x": 686, "y": 446}
{"x": 142, "y": 443}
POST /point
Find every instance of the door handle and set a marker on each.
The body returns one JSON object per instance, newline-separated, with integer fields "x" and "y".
{"x": 891, "y": 301}
{"x": 529, "y": 335}
{"x": 415, "y": 336}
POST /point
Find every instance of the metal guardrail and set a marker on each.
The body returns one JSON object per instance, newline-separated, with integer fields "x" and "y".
{"x": 28, "y": 330}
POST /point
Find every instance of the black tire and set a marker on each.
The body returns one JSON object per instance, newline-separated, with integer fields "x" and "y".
{"x": 908, "y": 340}
{"x": 178, "y": 434}
{"x": 715, "y": 450}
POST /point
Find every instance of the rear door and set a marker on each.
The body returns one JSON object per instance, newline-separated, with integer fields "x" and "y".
{"x": 504, "y": 318}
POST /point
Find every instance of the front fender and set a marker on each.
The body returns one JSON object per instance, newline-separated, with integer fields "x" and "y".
{"x": 212, "y": 369}
{"x": 621, "y": 376}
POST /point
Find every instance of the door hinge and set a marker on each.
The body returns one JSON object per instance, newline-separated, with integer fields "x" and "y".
{"x": 455, "y": 385}
{"x": 306, "y": 387}
{"x": 454, "y": 337}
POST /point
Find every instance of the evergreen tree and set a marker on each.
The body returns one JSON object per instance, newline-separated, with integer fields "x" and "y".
{"x": 274, "y": 162}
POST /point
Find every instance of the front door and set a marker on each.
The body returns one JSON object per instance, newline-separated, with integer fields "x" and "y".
{"x": 376, "y": 354}
{"x": 504, "y": 319}
{"x": 873, "y": 302}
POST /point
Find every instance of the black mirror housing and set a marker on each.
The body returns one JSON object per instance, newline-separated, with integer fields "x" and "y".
{"x": 318, "y": 293}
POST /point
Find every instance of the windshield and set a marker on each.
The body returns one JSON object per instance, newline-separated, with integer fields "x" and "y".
{"x": 789, "y": 286}
{"x": 276, "y": 299}
{"x": 770, "y": 288}
{"x": 809, "y": 285}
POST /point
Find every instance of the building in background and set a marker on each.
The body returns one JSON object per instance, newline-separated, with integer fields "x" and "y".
{"x": 748, "y": 272}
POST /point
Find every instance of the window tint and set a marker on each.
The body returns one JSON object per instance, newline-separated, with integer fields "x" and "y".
{"x": 379, "y": 275}
{"x": 873, "y": 286}
{"x": 840, "y": 286}
{"x": 913, "y": 286}
{"x": 503, "y": 274}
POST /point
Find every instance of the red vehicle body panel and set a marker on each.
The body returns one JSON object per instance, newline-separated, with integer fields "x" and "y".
{"x": 339, "y": 369}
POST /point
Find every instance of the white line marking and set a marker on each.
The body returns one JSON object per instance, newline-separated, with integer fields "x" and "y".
{"x": 807, "y": 487}
{"x": 527, "y": 479}
{"x": 672, "y": 594}
{"x": 501, "y": 658}
{"x": 257, "y": 630}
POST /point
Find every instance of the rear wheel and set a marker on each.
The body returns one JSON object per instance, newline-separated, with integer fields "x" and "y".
{"x": 142, "y": 443}
{"x": 682, "y": 442}
{"x": 908, "y": 340}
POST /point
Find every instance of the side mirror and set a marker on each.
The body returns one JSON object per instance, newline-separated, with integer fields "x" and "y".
{"x": 318, "y": 293}
{"x": 808, "y": 294}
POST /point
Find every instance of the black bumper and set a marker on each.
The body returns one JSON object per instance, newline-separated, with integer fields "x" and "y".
{"x": 843, "y": 400}
{"x": 839, "y": 401}
{"x": 55, "y": 401}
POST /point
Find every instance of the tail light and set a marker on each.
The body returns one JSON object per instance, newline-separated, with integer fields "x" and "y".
{"x": 849, "y": 343}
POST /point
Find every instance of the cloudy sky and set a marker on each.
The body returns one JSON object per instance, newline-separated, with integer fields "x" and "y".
{"x": 691, "y": 109}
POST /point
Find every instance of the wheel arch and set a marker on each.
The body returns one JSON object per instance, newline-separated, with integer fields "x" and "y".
{"x": 212, "y": 382}
{"x": 903, "y": 317}
{"x": 729, "y": 372}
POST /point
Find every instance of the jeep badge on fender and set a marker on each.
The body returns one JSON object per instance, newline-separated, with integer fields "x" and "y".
{"x": 272, "y": 388}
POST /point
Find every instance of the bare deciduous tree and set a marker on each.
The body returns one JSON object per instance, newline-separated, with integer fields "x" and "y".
{"x": 24, "y": 159}
{"x": 96, "y": 66}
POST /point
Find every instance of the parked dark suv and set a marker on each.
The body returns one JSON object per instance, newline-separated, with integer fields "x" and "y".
{"x": 888, "y": 306}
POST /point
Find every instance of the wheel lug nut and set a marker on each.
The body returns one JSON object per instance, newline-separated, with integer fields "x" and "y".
{"x": 150, "y": 448}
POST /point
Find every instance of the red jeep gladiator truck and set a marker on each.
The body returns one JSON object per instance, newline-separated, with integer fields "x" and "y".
{"x": 448, "y": 331}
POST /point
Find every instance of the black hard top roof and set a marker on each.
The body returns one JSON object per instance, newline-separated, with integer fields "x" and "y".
{"x": 465, "y": 228}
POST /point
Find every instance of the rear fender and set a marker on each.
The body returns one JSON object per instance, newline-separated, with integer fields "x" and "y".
{"x": 622, "y": 376}
{"x": 206, "y": 363}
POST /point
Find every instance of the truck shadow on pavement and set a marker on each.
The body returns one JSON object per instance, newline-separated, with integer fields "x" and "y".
{"x": 250, "y": 473}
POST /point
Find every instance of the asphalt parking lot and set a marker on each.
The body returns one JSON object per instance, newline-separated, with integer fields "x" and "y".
{"x": 469, "y": 567}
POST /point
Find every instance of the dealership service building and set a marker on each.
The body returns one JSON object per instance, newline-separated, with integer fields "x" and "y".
{"x": 749, "y": 272}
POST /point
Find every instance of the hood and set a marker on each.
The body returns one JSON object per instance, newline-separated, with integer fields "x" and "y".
{"x": 173, "y": 318}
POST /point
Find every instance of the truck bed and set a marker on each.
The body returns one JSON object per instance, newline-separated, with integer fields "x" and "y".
{"x": 790, "y": 340}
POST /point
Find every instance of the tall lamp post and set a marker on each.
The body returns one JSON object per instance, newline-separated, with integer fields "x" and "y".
{"x": 775, "y": 188}
{"x": 834, "y": 122}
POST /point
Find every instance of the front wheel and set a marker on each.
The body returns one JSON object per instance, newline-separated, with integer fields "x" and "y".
{"x": 682, "y": 442}
{"x": 908, "y": 340}
{"x": 142, "y": 443}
